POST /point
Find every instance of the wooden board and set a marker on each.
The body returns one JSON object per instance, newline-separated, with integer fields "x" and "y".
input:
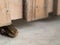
{"x": 41, "y": 11}
{"x": 4, "y": 18}
{"x": 49, "y": 6}
{"x": 15, "y": 9}
{"x": 35, "y": 9}
{"x": 58, "y": 8}
{"x": 28, "y": 9}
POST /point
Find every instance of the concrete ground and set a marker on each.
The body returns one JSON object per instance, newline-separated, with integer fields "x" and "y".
{"x": 42, "y": 32}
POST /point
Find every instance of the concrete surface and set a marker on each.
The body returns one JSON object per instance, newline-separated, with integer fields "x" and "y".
{"x": 43, "y": 32}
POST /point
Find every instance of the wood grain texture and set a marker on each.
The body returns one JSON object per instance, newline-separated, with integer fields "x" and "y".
{"x": 4, "y": 18}
{"x": 29, "y": 10}
{"x": 15, "y": 9}
{"x": 40, "y": 9}
{"x": 35, "y": 9}
{"x": 49, "y": 6}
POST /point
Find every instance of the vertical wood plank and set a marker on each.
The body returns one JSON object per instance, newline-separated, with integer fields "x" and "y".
{"x": 58, "y": 9}
{"x": 29, "y": 10}
{"x": 4, "y": 18}
{"x": 34, "y": 9}
{"x": 49, "y": 6}
{"x": 40, "y": 9}
{"x": 15, "y": 9}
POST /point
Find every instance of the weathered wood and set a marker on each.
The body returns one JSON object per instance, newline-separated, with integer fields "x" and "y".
{"x": 41, "y": 9}
{"x": 55, "y": 7}
{"x": 35, "y": 9}
{"x": 4, "y": 18}
{"x": 49, "y": 6}
{"x": 28, "y": 9}
{"x": 15, "y": 9}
